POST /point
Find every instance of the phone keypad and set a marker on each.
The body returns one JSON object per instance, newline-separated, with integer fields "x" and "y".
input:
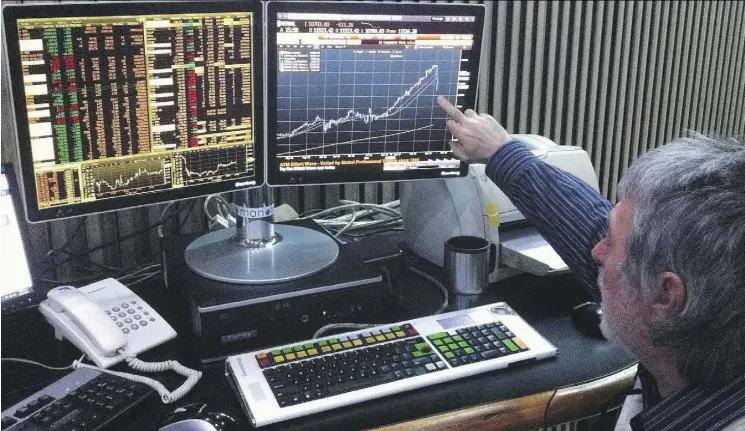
{"x": 130, "y": 316}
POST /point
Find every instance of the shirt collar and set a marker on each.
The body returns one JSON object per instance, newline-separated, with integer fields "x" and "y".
{"x": 692, "y": 408}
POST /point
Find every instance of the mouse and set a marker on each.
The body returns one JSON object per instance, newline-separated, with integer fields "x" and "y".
{"x": 198, "y": 417}
{"x": 587, "y": 318}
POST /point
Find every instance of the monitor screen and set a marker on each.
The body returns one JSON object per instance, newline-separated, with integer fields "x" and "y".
{"x": 125, "y": 104}
{"x": 352, "y": 89}
{"x": 16, "y": 287}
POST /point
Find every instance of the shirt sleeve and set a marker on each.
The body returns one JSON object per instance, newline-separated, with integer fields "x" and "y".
{"x": 570, "y": 214}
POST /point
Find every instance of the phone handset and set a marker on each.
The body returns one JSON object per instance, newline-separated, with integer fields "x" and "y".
{"x": 94, "y": 318}
{"x": 89, "y": 317}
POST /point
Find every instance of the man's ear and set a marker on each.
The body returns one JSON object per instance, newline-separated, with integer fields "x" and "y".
{"x": 671, "y": 298}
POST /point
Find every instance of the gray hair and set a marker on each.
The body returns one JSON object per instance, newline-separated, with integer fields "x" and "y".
{"x": 690, "y": 220}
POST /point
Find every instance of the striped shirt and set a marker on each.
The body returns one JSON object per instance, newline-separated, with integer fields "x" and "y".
{"x": 573, "y": 218}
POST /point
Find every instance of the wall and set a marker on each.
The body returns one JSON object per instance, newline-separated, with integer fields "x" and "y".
{"x": 616, "y": 78}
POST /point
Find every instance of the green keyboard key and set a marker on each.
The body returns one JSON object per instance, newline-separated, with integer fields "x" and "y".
{"x": 287, "y": 350}
{"x": 438, "y": 342}
{"x": 463, "y": 344}
{"x": 448, "y": 340}
{"x": 395, "y": 328}
{"x": 276, "y": 352}
{"x": 510, "y": 345}
{"x": 457, "y": 338}
{"x": 453, "y": 346}
{"x": 323, "y": 343}
{"x": 449, "y": 355}
{"x": 334, "y": 341}
{"x": 299, "y": 348}
{"x": 309, "y": 346}
{"x": 438, "y": 335}
{"x": 468, "y": 350}
{"x": 444, "y": 349}
{"x": 423, "y": 347}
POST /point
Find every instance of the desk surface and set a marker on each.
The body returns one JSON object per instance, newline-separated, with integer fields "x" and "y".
{"x": 543, "y": 302}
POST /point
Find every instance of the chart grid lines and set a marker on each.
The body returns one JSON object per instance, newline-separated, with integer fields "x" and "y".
{"x": 334, "y": 104}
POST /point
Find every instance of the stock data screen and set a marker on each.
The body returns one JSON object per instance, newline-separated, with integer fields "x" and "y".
{"x": 356, "y": 93}
{"x": 128, "y": 105}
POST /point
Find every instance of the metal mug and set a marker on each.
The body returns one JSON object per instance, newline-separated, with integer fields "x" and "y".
{"x": 468, "y": 262}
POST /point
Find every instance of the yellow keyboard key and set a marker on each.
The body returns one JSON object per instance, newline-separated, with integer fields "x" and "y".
{"x": 357, "y": 342}
{"x": 312, "y": 351}
{"x": 520, "y": 343}
{"x": 279, "y": 359}
{"x": 290, "y": 356}
{"x": 346, "y": 344}
{"x": 380, "y": 338}
{"x": 301, "y": 354}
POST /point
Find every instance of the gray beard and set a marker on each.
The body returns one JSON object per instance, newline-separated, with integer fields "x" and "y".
{"x": 609, "y": 332}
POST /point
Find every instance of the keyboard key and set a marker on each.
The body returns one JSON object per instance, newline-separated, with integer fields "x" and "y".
{"x": 8, "y": 421}
{"x": 348, "y": 386}
{"x": 510, "y": 345}
{"x": 520, "y": 343}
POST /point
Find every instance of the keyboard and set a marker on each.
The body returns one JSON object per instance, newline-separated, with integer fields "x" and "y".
{"x": 316, "y": 375}
{"x": 85, "y": 399}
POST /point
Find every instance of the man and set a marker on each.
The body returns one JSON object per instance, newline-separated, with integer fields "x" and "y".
{"x": 671, "y": 256}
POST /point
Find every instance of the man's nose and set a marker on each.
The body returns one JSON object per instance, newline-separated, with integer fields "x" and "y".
{"x": 600, "y": 251}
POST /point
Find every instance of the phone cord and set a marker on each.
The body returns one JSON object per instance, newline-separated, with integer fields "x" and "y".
{"x": 192, "y": 376}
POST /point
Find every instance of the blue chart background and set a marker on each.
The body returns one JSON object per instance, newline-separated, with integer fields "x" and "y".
{"x": 364, "y": 80}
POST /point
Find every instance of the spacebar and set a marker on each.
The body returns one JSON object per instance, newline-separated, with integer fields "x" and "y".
{"x": 359, "y": 384}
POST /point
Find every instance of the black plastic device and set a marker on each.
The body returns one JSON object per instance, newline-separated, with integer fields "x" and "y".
{"x": 587, "y": 318}
{"x": 228, "y": 318}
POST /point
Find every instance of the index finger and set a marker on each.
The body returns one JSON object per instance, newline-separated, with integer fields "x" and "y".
{"x": 450, "y": 109}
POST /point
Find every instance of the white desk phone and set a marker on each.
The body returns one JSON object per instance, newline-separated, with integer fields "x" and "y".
{"x": 110, "y": 323}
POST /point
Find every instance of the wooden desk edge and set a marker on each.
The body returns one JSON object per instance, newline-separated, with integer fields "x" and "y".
{"x": 562, "y": 405}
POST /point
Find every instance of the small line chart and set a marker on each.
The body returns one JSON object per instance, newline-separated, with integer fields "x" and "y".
{"x": 367, "y": 102}
{"x": 105, "y": 179}
{"x": 209, "y": 164}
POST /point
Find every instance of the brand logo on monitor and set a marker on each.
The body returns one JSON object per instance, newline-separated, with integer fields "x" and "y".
{"x": 244, "y": 183}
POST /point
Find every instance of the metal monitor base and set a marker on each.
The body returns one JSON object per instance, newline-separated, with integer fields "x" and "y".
{"x": 299, "y": 252}
{"x": 257, "y": 251}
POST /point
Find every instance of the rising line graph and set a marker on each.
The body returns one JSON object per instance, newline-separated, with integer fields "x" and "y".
{"x": 403, "y": 101}
{"x": 366, "y": 102}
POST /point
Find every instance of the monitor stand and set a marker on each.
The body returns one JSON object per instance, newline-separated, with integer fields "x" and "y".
{"x": 257, "y": 251}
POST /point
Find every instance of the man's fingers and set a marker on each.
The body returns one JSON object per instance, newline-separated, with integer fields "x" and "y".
{"x": 489, "y": 118}
{"x": 450, "y": 109}
{"x": 457, "y": 150}
{"x": 456, "y": 129}
{"x": 470, "y": 113}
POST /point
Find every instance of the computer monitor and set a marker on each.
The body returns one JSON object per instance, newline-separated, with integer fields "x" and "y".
{"x": 125, "y": 104}
{"x": 16, "y": 290}
{"x": 351, "y": 97}
{"x": 352, "y": 89}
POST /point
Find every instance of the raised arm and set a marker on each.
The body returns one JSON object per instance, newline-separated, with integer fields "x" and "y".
{"x": 569, "y": 213}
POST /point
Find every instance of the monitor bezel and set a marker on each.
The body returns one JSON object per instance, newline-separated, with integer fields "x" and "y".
{"x": 273, "y": 176}
{"x": 28, "y": 192}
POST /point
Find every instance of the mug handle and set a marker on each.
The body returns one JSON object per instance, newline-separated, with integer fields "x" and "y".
{"x": 492, "y": 257}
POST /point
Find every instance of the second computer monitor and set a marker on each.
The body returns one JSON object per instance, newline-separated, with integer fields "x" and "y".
{"x": 125, "y": 104}
{"x": 352, "y": 89}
